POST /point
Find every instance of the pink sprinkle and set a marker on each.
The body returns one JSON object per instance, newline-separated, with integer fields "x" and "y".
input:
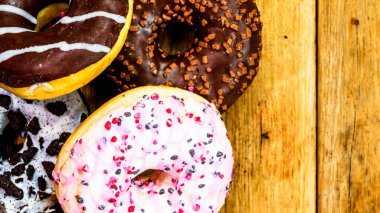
{"x": 80, "y": 141}
{"x": 191, "y": 89}
{"x": 117, "y": 194}
{"x": 155, "y": 142}
{"x": 221, "y": 176}
{"x": 113, "y": 139}
{"x": 85, "y": 168}
{"x": 169, "y": 110}
{"x": 137, "y": 121}
{"x": 99, "y": 147}
{"x": 112, "y": 200}
{"x": 169, "y": 122}
{"x": 154, "y": 153}
{"x": 179, "y": 170}
{"x": 196, "y": 207}
{"x": 180, "y": 211}
{"x": 115, "y": 120}
{"x": 131, "y": 209}
{"x": 160, "y": 102}
{"x": 115, "y": 158}
{"x": 154, "y": 96}
{"x": 191, "y": 115}
{"x": 139, "y": 126}
{"x": 202, "y": 176}
{"x": 137, "y": 116}
{"x": 125, "y": 137}
{"x": 118, "y": 163}
{"x": 188, "y": 176}
{"x": 179, "y": 120}
{"x": 62, "y": 14}
{"x": 107, "y": 125}
{"x": 197, "y": 119}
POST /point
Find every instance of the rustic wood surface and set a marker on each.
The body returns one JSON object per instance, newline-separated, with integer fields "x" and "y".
{"x": 306, "y": 133}
{"x": 349, "y": 106}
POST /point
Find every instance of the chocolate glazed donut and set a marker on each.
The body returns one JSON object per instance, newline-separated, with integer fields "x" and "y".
{"x": 64, "y": 57}
{"x": 209, "y": 46}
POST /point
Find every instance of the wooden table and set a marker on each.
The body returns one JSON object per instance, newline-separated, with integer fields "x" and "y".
{"x": 306, "y": 135}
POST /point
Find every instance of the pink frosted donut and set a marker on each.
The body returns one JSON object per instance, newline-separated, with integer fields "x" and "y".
{"x": 174, "y": 132}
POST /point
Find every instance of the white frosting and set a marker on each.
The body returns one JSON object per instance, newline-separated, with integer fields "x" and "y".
{"x": 18, "y": 11}
{"x": 185, "y": 138}
{"x": 115, "y": 17}
{"x": 64, "y": 46}
{"x": 52, "y": 127}
{"x": 13, "y": 30}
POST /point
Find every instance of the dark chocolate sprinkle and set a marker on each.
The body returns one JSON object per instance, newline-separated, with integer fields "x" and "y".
{"x": 34, "y": 126}
{"x": 170, "y": 190}
{"x": 49, "y": 167}
{"x": 170, "y": 203}
{"x": 101, "y": 207}
{"x": 83, "y": 117}
{"x": 28, "y": 154}
{"x": 19, "y": 180}
{"x": 118, "y": 172}
{"x": 155, "y": 126}
{"x": 162, "y": 191}
{"x": 30, "y": 172}
{"x": 174, "y": 157}
{"x": 192, "y": 152}
{"x": 79, "y": 199}
{"x": 57, "y": 108}
{"x": 201, "y": 186}
{"x": 41, "y": 183}
{"x": 18, "y": 170}
{"x": 219, "y": 154}
{"x": 127, "y": 114}
{"x": 147, "y": 126}
{"x": 55, "y": 146}
{"x": 43, "y": 195}
{"x": 9, "y": 187}
{"x": 83, "y": 182}
{"x": 5, "y": 102}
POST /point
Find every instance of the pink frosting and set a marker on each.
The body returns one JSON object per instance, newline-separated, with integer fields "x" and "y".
{"x": 184, "y": 139}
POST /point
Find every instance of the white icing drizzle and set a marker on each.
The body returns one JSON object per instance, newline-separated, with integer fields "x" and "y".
{"x": 13, "y": 30}
{"x": 115, "y": 17}
{"x": 18, "y": 11}
{"x": 63, "y": 46}
{"x": 35, "y": 86}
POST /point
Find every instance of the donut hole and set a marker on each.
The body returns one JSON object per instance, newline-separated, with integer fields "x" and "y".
{"x": 176, "y": 37}
{"x": 50, "y": 15}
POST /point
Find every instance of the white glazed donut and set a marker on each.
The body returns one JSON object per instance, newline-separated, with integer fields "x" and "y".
{"x": 174, "y": 132}
{"x": 31, "y": 135}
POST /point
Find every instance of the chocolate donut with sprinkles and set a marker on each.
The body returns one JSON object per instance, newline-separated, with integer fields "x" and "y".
{"x": 151, "y": 149}
{"x": 211, "y": 47}
{"x": 65, "y": 56}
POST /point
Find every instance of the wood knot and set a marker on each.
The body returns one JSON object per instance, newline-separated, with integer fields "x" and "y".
{"x": 355, "y": 21}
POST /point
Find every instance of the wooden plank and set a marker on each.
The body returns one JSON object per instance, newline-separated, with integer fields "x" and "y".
{"x": 349, "y": 106}
{"x": 272, "y": 126}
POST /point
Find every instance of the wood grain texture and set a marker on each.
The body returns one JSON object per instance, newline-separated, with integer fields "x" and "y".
{"x": 349, "y": 106}
{"x": 273, "y": 125}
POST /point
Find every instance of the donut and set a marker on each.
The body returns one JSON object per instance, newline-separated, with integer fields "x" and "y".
{"x": 210, "y": 47}
{"x": 64, "y": 57}
{"x": 173, "y": 134}
{"x": 31, "y": 135}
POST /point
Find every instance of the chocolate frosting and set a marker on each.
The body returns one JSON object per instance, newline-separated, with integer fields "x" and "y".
{"x": 221, "y": 63}
{"x": 30, "y": 68}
